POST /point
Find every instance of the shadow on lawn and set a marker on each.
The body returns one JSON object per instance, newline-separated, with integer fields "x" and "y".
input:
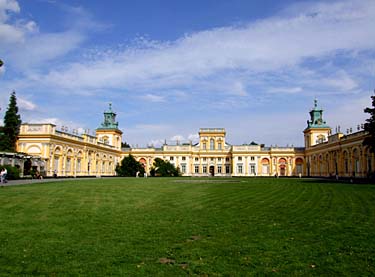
{"x": 340, "y": 180}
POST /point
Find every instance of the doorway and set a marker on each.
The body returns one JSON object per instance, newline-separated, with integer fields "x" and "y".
{"x": 212, "y": 170}
{"x": 282, "y": 170}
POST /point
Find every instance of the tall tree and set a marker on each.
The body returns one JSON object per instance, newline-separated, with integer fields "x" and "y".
{"x": 129, "y": 167}
{"x": 164, "y": 169}
{"x": 11, "y": 128}
{"x": 370, "y": 126}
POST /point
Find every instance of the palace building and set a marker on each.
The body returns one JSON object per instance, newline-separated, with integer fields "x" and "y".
{"x": 324, "y": 154}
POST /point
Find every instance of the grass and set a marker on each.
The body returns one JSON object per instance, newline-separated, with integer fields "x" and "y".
{"x": 177, "y": 227}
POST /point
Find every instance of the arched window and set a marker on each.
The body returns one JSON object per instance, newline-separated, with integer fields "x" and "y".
{"x": 265, "y": 166}
{"x": 299, "y": 166}
{"x": 143, "y": 162}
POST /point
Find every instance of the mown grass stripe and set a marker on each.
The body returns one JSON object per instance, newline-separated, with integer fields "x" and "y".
{"x": 126, "y": 226}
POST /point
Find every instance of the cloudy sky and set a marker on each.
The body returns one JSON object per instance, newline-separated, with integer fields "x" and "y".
{"x": 171, "y": 67}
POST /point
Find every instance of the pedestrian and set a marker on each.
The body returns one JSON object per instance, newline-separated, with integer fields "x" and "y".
{"x": 3, "y": 174}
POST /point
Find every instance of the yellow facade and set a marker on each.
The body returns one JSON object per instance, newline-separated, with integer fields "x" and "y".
{"x": 324, "y": 154}
{"x": 67, "y": 154}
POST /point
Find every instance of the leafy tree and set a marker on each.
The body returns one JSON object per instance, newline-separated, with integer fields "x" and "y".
{"x": 1, "y": 63}
{"x": 129, "y": 167}
{"x": 164, "y": 169}
{"x": 11, "y": 128}
{"x": 369, "y": 126}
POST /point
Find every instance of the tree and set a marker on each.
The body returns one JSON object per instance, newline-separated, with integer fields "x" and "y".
{"x": 369, "y": 126}
{"x": 1, "y": 63}
{"x": 129, "y": 167}
{"x": 11, "y": 128}
{"x": 164, "y": 169}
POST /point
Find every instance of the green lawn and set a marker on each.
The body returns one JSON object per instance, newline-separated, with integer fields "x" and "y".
{"x": 174, "y": 227}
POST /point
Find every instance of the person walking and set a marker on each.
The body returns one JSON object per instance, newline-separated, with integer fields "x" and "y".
{"x": 3, "y": 174}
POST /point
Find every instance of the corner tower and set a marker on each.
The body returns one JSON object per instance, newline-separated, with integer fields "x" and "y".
{"x": 109, "y": 133}
{"x": 317, "y": 131}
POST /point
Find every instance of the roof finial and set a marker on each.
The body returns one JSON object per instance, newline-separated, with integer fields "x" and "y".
{"x": 315, "y": 103}
{"x": 110, "y": 106}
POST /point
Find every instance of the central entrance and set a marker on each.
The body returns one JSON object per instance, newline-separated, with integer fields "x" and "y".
{"x": 212, "y": 170}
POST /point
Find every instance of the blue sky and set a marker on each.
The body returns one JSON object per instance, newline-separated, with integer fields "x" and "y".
{"x": 172, "y": 67}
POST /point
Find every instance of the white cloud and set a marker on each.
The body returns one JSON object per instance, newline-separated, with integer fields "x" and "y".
{"x": 10, "y": 35}
{"x": 177, "y": 138}
{"x": 286, "y": 90}
{"x": 13, "y": 33}
{"x": 239, "y": 89}
{"x": 41, "y": 48}
{"x": 7, "y": 6}
{"x": 153, "y": 98}
{"x": 226, "y": 70}
{"x": 265, "y": 46}
{"x": 341, "y": 81}
{"x": 27, "y": 48}
{"x": 193, "y": 137}
{"x": 26, "y": 104}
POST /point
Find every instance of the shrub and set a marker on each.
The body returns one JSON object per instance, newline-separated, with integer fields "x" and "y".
{"x": 13, "y": 172}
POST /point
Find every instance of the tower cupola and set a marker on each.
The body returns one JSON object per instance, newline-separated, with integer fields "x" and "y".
{"x": 109, "y": 133}
{"x": 316, "y": 117}
{"x": 317, "y": 130}
{"x": 109, "y": 119}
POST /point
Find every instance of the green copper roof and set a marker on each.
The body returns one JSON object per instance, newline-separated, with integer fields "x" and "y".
{"x": 109, "y": 119}
{"x": 316, "y": 118}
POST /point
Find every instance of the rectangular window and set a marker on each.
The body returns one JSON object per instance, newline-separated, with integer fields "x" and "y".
{"x": 252, "y": 158}
{"x": 204, "y": 159}
{"x": 227, "y": 169}
{"x": 204, "y": 146}
{"x": 56, "y": 165}
{"x": 196, "y": 159}
{"x": 78, "y": 165}
{"x": 68, "y": 165}
{"x": 183, "y": 168}
{"x": 205, "y": 169}
{"x": 227, "y": 159}
{"x": 239, "y": 169}
{"x": 219, "y": 168}
{"x": 219, "y": 145}
{"x": 252, "y": 169}
{"x": 184, "y": 158}
{"x": 299, "y": 168}
{"x": 212, "y": 159}
{"x": 212, "y": 144}
{"x": 196, "y": 169}
{"x": 265, "y": 169}
{"x": 171, "y": 158}
{"x": 240, "y": 158}
{"x": 219, "y": 159}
